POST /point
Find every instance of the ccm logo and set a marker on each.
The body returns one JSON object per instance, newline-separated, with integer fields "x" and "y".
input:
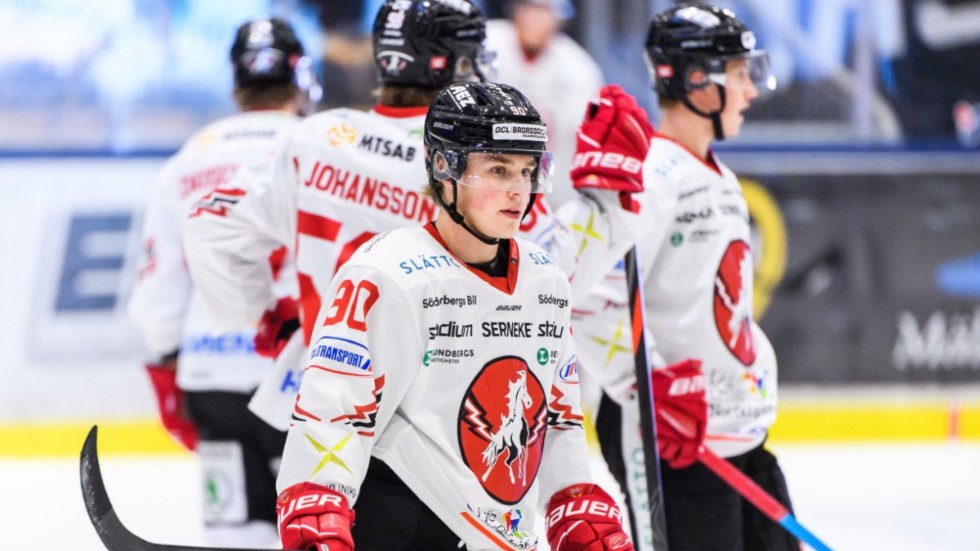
{"x": 607, "y": 160}
{"x": 687, "y": 385}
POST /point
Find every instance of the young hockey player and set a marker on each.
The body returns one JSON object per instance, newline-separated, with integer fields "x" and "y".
{"x": 696, "y": 268}
{"x": 203, "y": 380}
{"x": 344, "y": 176}
{"x": 440, "y": 400}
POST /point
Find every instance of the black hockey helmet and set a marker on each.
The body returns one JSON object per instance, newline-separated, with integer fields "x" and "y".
{"x": 430, "y": 43}
{"x": 688, "y": 47}
{"x": 267, "y": 52}
{"x": 478, "y": 117}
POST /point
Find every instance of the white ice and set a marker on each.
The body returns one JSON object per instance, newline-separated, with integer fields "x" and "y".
{"x": 855, "y": 497}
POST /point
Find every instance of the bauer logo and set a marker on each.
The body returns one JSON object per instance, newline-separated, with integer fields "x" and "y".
{"x": 342, "y": 354}
{"x": 526, "y": 132}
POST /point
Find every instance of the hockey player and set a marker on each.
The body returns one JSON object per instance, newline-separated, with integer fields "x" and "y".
{"x": 344, "y": 177}
{"x": 696, "y": 267}
{"x": 440, "y": 401}
{"x": 556, "y": 74}
{"x": 203, "y": 380}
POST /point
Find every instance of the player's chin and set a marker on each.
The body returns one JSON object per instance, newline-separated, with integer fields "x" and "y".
{"x": 507, "y": 225}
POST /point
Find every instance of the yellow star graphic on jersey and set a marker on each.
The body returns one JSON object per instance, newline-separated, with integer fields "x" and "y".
{"x": 329, "y": 456}
{"x": 587, "y": 232}
{"x": 613, "y": 344}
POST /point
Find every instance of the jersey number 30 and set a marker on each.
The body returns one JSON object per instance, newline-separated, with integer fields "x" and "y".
{"x": 353, "y": 304}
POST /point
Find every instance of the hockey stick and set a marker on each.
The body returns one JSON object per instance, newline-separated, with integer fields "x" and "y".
{"x": 735, "y": 478}
{"x": 644, "y": 386}
{"x": 758, "y": 497}
{"x": 114, "y": 534}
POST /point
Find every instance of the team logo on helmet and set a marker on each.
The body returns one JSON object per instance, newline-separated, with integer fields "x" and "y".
{"x": 393, "y": 63}
{"x": 501, "y": 428}
{"x": 733, "y": 301}
{"x": 699, "y": 16}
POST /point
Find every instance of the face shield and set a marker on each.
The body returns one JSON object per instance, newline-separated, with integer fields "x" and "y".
{"x": 482, "y": 66}
{"x": 745, "y": 72}
{"x": 510, "y": 170}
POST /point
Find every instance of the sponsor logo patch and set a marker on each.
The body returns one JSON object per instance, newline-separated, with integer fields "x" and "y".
{"x": 342, "y": 354}
{"x": 526, "y": 132}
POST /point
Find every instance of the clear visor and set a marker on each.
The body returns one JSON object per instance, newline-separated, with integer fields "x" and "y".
{"x": 482, "y": 68}
{"x": 746, "y": 72}
{"x": 511, "y": 171}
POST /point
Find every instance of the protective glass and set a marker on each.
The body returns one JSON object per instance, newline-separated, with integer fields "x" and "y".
{"x": 745, "y": 72}
{"x": 482, "y": 67}
{"x": 496, "y": 170}
{"x": 486, "y": 64}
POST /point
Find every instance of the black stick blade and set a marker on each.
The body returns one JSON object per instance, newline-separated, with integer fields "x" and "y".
{"x": 114, "y": 534}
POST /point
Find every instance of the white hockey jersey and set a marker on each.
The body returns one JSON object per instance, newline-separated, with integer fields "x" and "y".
{"x": 164, "y": 303}
{"x": 697, "y": 273}
{"x": 465, "y": 386}
{"x": 345, "y": 176}
{"x": 560, "y": 81}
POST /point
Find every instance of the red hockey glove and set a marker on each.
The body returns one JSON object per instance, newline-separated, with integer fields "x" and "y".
{"x": 276, "y": 326}
{"x": 171, "y": 402}
{"x": 681, "y": 412}
{"x": 584, "y": 517}
{"x": 612, "y": 143}
{"x": 312, "y": 516}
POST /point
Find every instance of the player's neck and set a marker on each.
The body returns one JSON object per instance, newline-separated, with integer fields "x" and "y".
{"x": 692, "y": 131}
{"x": 462, "y": 243}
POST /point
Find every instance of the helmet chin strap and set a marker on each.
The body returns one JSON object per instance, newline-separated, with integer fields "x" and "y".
{"x": 458, "y": 218}
{"x": 715, "y": 116}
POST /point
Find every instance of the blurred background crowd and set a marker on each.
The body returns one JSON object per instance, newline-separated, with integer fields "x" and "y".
{"x": 134, "y": 75}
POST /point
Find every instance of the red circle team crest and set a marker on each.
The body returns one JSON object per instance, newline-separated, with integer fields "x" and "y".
{"x": 733, "y": 301}
{"x": 501, "y": 428}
